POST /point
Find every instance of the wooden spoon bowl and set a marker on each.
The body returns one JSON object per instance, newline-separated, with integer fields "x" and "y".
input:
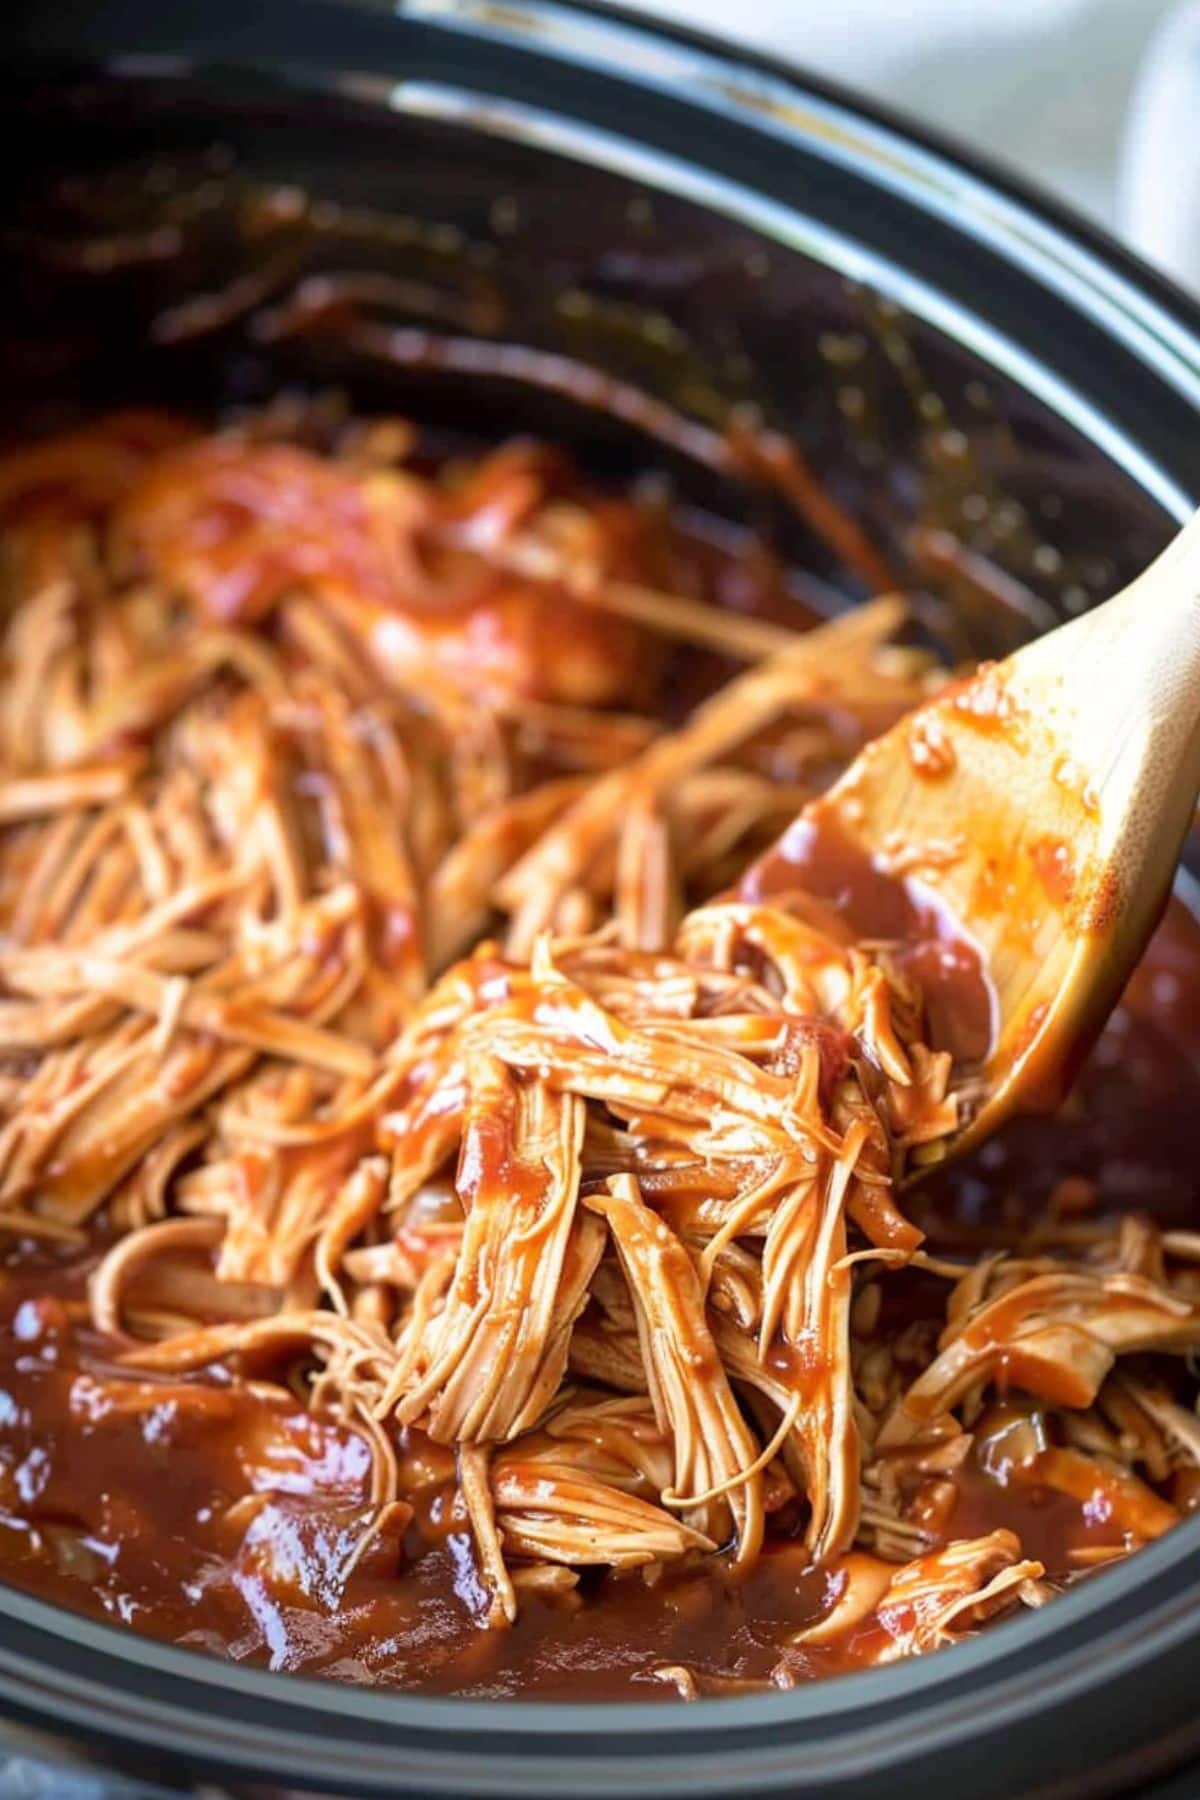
{"x": 1041, "y": 807}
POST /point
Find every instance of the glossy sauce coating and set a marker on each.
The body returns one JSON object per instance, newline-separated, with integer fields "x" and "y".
{"x": 217, "y": 1510}
{"x": 816, "y": 857}
{"x": 221, "y": 1515}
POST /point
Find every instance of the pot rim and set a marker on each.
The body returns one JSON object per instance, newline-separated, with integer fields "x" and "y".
{"x": 997, "y": 207}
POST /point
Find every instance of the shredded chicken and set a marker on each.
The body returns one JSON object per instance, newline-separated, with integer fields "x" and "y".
{"x": 923, "y": 1604}
{"x": 608, "y": 1208}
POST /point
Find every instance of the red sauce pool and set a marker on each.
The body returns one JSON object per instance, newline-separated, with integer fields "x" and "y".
{"x": 116, "y": 1495}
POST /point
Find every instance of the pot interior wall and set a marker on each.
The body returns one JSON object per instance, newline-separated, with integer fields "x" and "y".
{"x": 174, "y": 239}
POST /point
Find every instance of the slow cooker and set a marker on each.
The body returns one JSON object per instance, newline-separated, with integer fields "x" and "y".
{"x": 628, "y": 239}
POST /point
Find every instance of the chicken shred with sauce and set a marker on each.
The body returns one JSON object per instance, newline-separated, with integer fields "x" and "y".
{"x": 436, "y": 1193}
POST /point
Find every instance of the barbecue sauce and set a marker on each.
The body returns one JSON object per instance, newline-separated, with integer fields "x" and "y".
{"x": 221, "y": 1514}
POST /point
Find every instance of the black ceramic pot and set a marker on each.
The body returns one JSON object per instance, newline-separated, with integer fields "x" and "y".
{"x": 547, "y": 216}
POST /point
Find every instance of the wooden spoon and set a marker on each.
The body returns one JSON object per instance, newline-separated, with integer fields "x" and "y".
{"x": 1042, "y": 804}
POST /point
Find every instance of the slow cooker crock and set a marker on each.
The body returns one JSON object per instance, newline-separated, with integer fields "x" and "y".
{"x": 555, "y": 216}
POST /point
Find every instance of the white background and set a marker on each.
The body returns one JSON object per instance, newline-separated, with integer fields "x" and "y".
{"x": 1096, "y": 99}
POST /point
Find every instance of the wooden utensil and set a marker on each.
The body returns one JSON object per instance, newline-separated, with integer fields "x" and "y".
{"x": 1042, "y": 804}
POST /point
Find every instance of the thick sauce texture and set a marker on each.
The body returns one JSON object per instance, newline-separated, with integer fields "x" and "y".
{"x": 223, "y": 1515}
{"x": 352, "y": 739}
